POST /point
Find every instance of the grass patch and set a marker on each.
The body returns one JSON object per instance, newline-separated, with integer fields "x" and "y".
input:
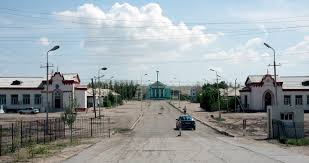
{"x": 298, "y": 142}
{"x": 121, "y": 130}
{"x": 41, "y": 150}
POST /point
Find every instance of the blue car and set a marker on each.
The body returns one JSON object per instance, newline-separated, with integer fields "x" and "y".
{"x": 186, "y": 122}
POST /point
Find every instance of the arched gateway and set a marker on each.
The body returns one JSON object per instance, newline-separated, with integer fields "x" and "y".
{"x": 267, "y": 99}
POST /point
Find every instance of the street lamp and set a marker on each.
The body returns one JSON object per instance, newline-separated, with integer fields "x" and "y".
{"x": 47, "y": 83}
{"x": 178, "y": 92}
{"x": 157, "y": 93}
{"x": 275, "y": 73}
{"x": 276, "y": 96}
{"x": 218, "y": 91}
{"x": 109, "y": 89}
{"x": 99, "y": 83}
{"x": 235, "y": 100}
{"x": 142, "y": 90}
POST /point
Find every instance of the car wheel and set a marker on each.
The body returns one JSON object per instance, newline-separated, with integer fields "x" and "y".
{"x": 193, "y": 128}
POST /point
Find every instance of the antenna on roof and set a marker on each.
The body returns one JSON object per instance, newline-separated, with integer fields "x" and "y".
{"x": 57, "y": 68}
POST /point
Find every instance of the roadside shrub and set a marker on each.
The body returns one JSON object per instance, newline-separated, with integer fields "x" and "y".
{"x": 107, "y": 103}
{"x": 298, "y": 142}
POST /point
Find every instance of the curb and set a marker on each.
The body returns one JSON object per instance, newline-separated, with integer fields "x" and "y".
{"x": 206, "y": 124}
{"x": 137, "y": 120}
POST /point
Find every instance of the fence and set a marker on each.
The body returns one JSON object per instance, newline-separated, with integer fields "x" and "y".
{"x": 22, "y": 133}
{"x": 289, "y": 129}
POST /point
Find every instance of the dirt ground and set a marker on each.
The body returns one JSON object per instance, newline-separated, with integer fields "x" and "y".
{"x": 130, "y": 109}
{"x": 233, "y": 123}
{"x": 122, "y": 118}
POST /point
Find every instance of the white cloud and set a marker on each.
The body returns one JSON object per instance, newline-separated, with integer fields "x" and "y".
{"x": 300, "y": 50}
{"x": 247, "y": 52}
{"x": 44, "y": 41}
{"x": 144, "y": 30}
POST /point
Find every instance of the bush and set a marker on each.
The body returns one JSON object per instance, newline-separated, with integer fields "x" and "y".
{"x": 107, "y": 103}
{"x": 298, "y": 142}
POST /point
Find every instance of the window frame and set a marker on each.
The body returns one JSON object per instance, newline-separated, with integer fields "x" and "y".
{"x": 298, "y": 101}
{"x": 2, "y": 99}
{"x": 287, "y": 116}
{"x": 287, "y": 100}
{"x": 26, "y": 99}
{"x": 37, "y": 99}
{"x": 14, "y": 99}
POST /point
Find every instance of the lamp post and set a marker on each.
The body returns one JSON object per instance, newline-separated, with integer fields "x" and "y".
{"x": 178, "y": 92}
{"x": 270, "y": 128}
{"x": 235, "y": 96}
{"x": 218, "y": 91}
{"x": 99, "y": 83}
{"x": 141, "y": 91}
{"x": 275, "y": 73}
{"x": 47, "y": 83}
{"x": 157, "y": 93}
{"x": 109, "y": 88}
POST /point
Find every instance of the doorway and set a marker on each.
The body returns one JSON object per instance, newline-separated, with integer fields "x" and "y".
{"x": 267, "y": 100}
{"x": 57, "y": 100}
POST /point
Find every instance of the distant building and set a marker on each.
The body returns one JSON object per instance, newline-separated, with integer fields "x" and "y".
{"x": 22, "y": 92}
{"x": 158, "y": 91}
{"x": 230, "y": 92}
{"x": 194, "y": 93}
{"x": 102, "y": 93}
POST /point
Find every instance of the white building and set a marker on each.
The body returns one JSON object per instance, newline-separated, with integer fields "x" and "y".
{"x": 99, "y": 92}
{"x": 293, "y": 99}
{"x": 259, "y": 92}
{"x": 22, "y": 92}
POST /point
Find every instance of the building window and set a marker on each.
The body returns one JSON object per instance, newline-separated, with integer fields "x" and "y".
{"x": 246, "y": 101}
{"x": 26, "y": 99}
{"x": 14, "y": 99}
{"x": 298, "y": 100}
{"x": 2, "y": 99}
{"x": 287, "y": 116}
{"x": 287, "y": 100}
{"x": 37, "y": 99}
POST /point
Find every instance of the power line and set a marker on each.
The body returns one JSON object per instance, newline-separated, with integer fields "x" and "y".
{"x": 268, "y": 20}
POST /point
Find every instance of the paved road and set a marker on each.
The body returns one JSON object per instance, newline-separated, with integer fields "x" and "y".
{"x": 155, "y": 140}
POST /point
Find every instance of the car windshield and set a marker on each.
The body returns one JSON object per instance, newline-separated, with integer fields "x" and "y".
{"x": 185, "y": 118}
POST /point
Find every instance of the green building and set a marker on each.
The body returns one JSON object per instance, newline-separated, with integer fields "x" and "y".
{"x": 158, "y": 91}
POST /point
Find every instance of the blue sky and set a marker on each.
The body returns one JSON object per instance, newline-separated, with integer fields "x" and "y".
{"x": 181, "y": 39}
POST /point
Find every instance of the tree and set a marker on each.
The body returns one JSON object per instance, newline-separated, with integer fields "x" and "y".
{"x": 69, "y": 115}
{"x": 208, "y": 97}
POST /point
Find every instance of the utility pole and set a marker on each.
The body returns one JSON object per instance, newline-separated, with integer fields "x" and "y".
{"x": 218, "y": 91}
{"x": 276, "y": 94}
{"x": 100, "y": 84}
{"x": 93, "y": 95}
{"x": 235, "y": 95}
{"x": 179, "y": 94}
{"x": 141, "y": 91}
{"x": 47, "y": 85}
{"x": 218, "y": 96}
{"x": 275, "y": 73}
{"x": 157, "y": 94}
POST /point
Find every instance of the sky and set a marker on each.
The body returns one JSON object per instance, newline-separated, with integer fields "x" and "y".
{"x": 180, "y": 39}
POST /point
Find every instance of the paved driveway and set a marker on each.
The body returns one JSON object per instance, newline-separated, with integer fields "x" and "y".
{"x": 155, "y": 140}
